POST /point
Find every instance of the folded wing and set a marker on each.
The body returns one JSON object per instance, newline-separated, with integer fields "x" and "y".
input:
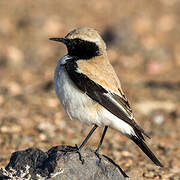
{"x": 116, "y": 104}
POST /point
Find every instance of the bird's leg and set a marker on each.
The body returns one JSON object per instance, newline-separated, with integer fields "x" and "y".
{"x": 87, "y": 137}
{"x": 76, "y": 148}
{"x": 100, "y": 143}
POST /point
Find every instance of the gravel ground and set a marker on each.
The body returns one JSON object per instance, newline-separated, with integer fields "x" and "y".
{"x": 144, "y": 48}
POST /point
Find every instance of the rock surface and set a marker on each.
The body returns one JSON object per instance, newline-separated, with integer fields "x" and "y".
{"x": 55, "y": 164}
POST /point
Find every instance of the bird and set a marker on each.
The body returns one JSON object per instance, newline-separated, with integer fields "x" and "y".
{"x": 90, "y": 91}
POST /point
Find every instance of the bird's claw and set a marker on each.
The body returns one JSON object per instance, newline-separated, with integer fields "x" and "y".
{"x": 80, "y": 156}
{"x": 75, "y": 149}
{"x": 98, "y": 155}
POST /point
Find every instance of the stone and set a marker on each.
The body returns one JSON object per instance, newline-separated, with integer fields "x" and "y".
{"x": 56, "y": 164}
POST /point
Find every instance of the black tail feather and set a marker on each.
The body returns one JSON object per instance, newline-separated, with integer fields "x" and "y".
{"x": 140, "y": 142}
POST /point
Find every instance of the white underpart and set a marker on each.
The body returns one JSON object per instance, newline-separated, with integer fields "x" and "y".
{"x": 81, "y": 107}
{"x": 109, "y": 119}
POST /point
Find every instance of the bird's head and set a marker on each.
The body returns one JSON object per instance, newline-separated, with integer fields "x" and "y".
{"x": 83, "y": 43}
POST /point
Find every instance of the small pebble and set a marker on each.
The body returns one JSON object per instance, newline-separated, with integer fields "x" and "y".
{"x": 45, "y": 126}
{"x": 149, "y": 174}
{"x": 159, "y": 119}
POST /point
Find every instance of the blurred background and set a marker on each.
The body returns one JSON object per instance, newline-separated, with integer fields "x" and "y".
{"x": 143, "y": 39}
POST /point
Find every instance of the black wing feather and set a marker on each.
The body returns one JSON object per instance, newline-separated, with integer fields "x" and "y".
{"x": 146, "y": 150}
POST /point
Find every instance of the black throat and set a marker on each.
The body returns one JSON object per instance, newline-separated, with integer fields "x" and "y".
{"x": 82, "y": 49}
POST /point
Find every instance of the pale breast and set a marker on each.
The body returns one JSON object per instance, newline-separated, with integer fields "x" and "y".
{"x": 76, "y": 103}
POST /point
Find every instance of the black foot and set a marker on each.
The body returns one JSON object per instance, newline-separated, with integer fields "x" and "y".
{"x": 98, "y": 155}
{"x": 121, "y": 171}
{"x": 75, "y": 149}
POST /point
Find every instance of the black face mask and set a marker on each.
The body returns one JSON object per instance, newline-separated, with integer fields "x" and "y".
{"x": 82, "y": 49}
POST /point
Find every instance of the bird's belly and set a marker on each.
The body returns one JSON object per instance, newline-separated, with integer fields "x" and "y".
{"x": 76, "y": 103}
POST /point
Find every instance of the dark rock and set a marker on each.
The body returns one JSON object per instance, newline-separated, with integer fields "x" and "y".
{"x": 173, "y": 115}
{"x": 109, "y": 36}
{"x": 55, "y": 164}
{"x": 29, "y": 160}
{"x": 163, "y": 84}
{"x": 121, "y": 36}
{"x": 47, "y": 86}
